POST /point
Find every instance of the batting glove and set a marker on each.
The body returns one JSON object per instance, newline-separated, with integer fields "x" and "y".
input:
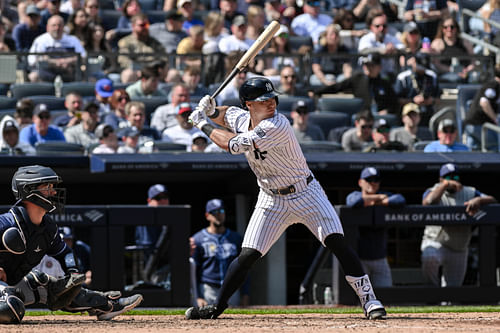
{"x": 198, "y": 117}
{"x": 207, "y": 104}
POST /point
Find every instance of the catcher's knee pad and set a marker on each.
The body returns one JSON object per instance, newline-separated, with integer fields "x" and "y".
{"x": 11, "y": 306}
{"x": 248, "y": 257}
{"x": 33, "y": 287}
{"x": 90, "y": 299}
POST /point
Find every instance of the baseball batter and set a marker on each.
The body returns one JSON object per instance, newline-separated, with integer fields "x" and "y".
{"x": 289, "y": 193}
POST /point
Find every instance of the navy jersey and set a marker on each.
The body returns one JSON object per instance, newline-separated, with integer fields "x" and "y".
{"x": 214, "y": 253}
{"x": 40, "y": 240}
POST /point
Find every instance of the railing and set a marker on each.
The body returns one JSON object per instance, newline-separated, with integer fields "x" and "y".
{"x": 484, "y": 132}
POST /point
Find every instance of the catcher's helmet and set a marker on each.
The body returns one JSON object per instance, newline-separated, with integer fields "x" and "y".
{"x": 257, "y": 89}
{"x": 25, "y": 187}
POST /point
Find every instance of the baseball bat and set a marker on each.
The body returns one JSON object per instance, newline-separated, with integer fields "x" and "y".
{"x": 256, "y": 47}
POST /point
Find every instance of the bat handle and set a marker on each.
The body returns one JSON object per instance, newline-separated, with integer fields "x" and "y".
{"x": 235, "y": 71}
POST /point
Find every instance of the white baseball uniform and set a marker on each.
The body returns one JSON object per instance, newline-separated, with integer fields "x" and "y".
{"x": 276, "y": 158}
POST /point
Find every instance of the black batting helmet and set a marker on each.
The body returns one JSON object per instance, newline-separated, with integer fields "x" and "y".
{"x": 25, "y": 187}
{"x": 257, "y": 89}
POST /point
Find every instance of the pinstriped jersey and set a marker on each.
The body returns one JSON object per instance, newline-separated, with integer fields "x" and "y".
{"x": 271, "y": 148}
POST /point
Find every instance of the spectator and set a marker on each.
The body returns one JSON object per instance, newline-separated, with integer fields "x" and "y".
{"x": 52, "y": 9}
{"x": 108, "y": 141}
{"x": 99, "y": 51}
{"x": 380, "y": 137}
{"x": 372, "y": 241}
{"x": 130, "y": 139}
{"x": 283, "y": 13}
{"x": 79, "y": 26}
{"x": 117, "y": 118}
{"x": 147, "y": 86}
{"x": 380, "y": 41}
{"x": 70, "y": 6}
{"x": 288, "y": 83}
{"x": 81, "y": 251}
{"x": 46, "y": 68}
{"x": 164, "y": 116}
{"x": 419, "y": 85}
{"x": 447, "y": 135}
{"x": 182, "y": 132}
{"x": 256, "y": 21}
{"x": 363, "y": 7}
{"x": 312, "y": 23}
{"x": 304, "y": 131}
{"x": 199, "y": 143}
{"x": 92, "y": 10}
{"x": 355, "y": 139}
{"x": 191, "y": 78}
{"x": 186, "y": 9}
{"x": 279, "y": 44}
{"x": 349, "y": 36}
{"x": 84, "y": 133}
{"x": 192, "y": 44}
{"x": 237, "y": 40}
{"x": 170, "y": 33}
{"x": 485, "y": 108}
{"x": 449, "y": 43}
{"x": 377, "y": 93}
{"x": 339, "y": 5}
{"x": 40, "y": 130}
{"x": 129, "y": 9}
{"x": 136, "y": 117}
{"x": 24, "y": 112}
{"x": 10, "y": 138}
{"x": 25, "y": 33}
{"x": 73, "y": 103}
{"x": 408, "y": 133}
{"x": 103, "y": 91}
{"x": 412, "y": 40}
{"x": 228, "y": 9}
{"x": 427, "y": 15}
{"x": 446, "y": 246}
{"x": 216, "y": 247}
{"x": 214, "y": 24}
{"x": 139, "y": 46}
{"x": 326, "y": 69}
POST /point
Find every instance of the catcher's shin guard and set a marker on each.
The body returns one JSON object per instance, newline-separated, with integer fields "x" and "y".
{"x": 92, "y": 301}
{"x": 11, "y": 305}
{"x": 372, "y": 307}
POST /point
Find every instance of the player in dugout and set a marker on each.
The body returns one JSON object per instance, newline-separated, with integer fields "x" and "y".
{"x": 27, "y": 233}
{"x": 289, "y": 192}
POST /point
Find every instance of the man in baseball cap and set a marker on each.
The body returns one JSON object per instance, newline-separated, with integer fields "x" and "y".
{"x": 41, "y": 130}
{"x": 447, "y": 133}
{"x": 303, "y": 129}
{"x": 25, "y": 33}
{"x": 408, "y": 133}
{"x": 183, "y": 131}
{"x": 103, "y": 91}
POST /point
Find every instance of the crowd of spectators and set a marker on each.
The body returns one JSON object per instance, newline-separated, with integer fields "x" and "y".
{"x": 361, "y": 48}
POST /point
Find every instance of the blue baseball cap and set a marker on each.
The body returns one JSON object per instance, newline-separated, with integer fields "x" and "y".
{"x": 214, "y": 204}
{"x": 369, "y": 172}
{"x": 157, "y": 189}
{"x": 66, "y": 232}
{"x": 104, "y": 87}
{"x": 447, "y": 169}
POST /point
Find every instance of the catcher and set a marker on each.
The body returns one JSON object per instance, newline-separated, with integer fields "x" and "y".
{"x": 26, "y": 235}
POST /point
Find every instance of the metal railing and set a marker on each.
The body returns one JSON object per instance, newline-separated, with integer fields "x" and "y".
{"x": 484, "y": 134}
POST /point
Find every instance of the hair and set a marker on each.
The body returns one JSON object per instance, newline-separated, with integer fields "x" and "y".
{"x": 364, "y": 114}
{"x": 196, "y": 30}
{"x": 139, "y": 16}
{"x": 139, "y": 105}
{"x": 113, "y": 100}
{"x": 330, "y": 28}
{"x": 193, "y": 70}
{"x": 404, "y": 36}
{"x": 24, "y": 108}
{"x": 372, "y": 14}
{"x": 252, "y": 12}
{"x": 103, "y": 44}
{"x": 149, "y": 72}
{"x": 341, "y": 15}
{"x": 71, "y": 21}
{"x": 125, "y": 6}
{"x": 74, "y": 93}
{"x": 439, "y": 33}
{"x": 212, "y": 22}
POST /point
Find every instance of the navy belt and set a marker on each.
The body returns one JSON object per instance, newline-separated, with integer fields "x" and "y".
{"x": 290, "y": 189}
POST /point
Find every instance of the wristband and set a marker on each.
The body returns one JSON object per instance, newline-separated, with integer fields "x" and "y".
{"x": 206, "y": 128}
{"x": 214, "y": 114}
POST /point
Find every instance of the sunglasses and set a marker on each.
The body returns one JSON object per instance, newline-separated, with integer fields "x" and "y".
{"x": 293, "y": 76}
{"x": 373, "y": 179}
{"x": 449, "y": 130}
{"x": 93, "y": 6}
{"x": 283, "y": 35}
{"x": 143, "y": 25}
{"x": 452, "y": 177}
{"x": 383, "y": 130}
{"x": 452, "y": 27}
{"x": 123, "y": 99}
{"x": 380, "y": 25}
{"x": 414, "y": 32}
{"x": 217, "y": 211}
{"x": 44, "y": 116}
{"x": 366, "y": 126}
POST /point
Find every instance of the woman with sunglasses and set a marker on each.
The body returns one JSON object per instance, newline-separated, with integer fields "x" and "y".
{"x": 448, "y": 43}
{"x": 117, "y": 118}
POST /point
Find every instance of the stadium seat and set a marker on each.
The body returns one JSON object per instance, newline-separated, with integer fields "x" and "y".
{"x": 156, "y": 16}
{"x": 58, "y": 148}
{"x": 297, "y": 41}
{"x": 466, "y": 93}
{"x": 52, "y": 102}
{"x": 107, "y": 4}
{"x": 7, "y": 103}
{"x": 420, "y": 145}
{"x": 162, "y": 146}
{"x": 148, "y": 5}
{"x": 286, "y": 102}
{"x": 81, "y": 87}
{"x": 109, "y": 18}
{"x": 20, "y": 90}
{"x": 328, "y": 120}
{"x": 338, "y": 104}
{"x": 320, "y": 146}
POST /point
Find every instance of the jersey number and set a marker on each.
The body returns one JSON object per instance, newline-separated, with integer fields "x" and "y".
{"x": 259, "y": 154}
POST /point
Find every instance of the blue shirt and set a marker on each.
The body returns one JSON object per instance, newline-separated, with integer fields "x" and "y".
{"x": 188, "y": 24}
{"x": 437, "y": 147}
{"x": 24, "y": 36}
{"x": 31, "y": 136}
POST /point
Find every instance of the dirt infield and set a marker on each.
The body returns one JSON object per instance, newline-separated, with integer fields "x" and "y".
{"x": 408, "y": 323}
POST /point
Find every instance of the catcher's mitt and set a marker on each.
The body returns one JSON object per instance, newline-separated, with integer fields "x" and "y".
{"x": 61, "y": 291}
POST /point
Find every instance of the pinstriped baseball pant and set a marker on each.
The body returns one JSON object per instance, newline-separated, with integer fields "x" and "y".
{"x": 274, "y": 213}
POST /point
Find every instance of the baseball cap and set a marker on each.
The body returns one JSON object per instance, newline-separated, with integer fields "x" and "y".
{"x": 198, "y": 135}
{"x": 184, "y": 107}
{"x": 156, "y": 190}
{"x": 300, "y": 106}
{"x": 381, "y": 123}
{"x": 214, "y": 204}
{"x": 10, "y": 124}
{"x": 410, "y": 107}
{"x": 410, "y": 26}
{"x": 239, "y": 20}
{"x": 91, "y": 105}
{"x": 40, "y": 108}
{"x": 446, "y": 169}
{"x": 104, "y": 87}
{"x": 372, "y": 58}
{"x": 66, "y": 232}
{"x": 130, "y": 132}
{"x": 181, "y": 3}
{"x": 282, "y": 30}
{"x": 103, "y": 130}
{"x": 32, "y": 10}
{"x": 446, "y": 123}
{"x": 369, "y": 172}
{"x": 173, "y": 14}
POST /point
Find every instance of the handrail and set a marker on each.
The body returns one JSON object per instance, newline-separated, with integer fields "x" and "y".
{"x": 484, "y": 130}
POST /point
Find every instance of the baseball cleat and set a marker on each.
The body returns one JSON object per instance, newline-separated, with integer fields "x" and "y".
{"x": 204, "y": 312}
{"x": 120, "y": 306}
{"x": 375, "y": 310}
